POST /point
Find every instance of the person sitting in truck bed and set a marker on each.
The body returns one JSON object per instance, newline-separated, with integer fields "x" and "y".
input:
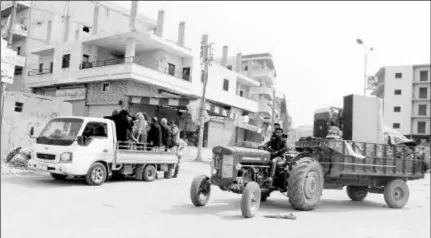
{"x": 155, "y": 134}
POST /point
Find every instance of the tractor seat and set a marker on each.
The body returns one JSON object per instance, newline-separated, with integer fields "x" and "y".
{"x": 281, "y": 163}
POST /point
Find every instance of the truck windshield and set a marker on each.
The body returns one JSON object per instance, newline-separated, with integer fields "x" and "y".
{"x": 62, "y": 131}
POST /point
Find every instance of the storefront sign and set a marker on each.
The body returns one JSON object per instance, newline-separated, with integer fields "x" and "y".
{"x": 71, "y": 94}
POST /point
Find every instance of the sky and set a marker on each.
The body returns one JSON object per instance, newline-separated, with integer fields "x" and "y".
{"x": 313, "y": 44}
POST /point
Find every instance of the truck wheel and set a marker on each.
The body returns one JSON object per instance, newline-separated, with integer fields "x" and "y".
{"x": 396, "y": 193}
{"x": 200, "y": 190}
{"x": 168, "y": 174}
{"x": 357, "y": 193}
{"x": 149, "y": 173}
{"x": 250, "y": 201}
{"x": 264, "y": 196}
{"x": 58, "y": 176}
{"x": 305, "y": 184}
{"x": 96, "y": 174}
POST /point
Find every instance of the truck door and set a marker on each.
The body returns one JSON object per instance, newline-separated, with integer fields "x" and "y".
{"x": 99, "y": 141}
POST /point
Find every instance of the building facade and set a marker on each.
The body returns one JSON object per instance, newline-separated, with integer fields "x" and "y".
{"x": 81, "y": 57}
{"x": 405, "y": 91}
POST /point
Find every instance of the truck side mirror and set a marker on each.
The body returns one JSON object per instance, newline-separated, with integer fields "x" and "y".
{"x": 31, "y": 131}
{"x": 80, "y": 140}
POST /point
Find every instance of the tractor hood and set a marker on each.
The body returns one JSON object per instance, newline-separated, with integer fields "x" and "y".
{"x": 244, "y": 155}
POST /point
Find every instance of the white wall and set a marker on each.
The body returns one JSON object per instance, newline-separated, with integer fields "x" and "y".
{"x": 404, "y": 100}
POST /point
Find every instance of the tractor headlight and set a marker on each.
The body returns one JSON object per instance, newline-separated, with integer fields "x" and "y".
{"x": 66, "y": 157}
{"x": 214, "y": 171}
{"x": 238, "y": 166}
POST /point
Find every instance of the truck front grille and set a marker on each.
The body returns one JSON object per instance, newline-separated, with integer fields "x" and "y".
{"x": 45, "y": 156}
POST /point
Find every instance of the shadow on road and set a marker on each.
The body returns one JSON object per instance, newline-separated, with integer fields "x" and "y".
{"x": 41, "y": 182}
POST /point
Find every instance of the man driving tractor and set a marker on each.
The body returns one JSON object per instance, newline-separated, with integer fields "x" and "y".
{"x": 277, "y": 146}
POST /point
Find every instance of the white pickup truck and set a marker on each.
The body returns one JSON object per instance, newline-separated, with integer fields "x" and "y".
{"x": 87, "y": 147}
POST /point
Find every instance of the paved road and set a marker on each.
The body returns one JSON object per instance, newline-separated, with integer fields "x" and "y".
{"x": 37, "y": 206}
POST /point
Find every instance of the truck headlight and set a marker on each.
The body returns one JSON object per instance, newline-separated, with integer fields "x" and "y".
{"x": 66, "y": 157}
{"x": 238, "y": 166}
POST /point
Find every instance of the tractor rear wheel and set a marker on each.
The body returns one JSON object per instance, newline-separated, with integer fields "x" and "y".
{"x": 200, "y": 190}
{"x": 357, "y": 193}
{"x": 250, "y": 201}
{"x": 396, "y": 193}
{"x": 305, "y": 184}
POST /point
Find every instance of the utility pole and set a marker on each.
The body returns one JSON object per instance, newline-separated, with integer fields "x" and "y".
{"x": 206, "y": 56}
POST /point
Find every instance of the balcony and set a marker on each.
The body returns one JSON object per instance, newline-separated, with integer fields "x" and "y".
{"x": 6, "y": 7}
{"x": 265, "y": 109}
{"x": 37, "y": 78}
{"x": 20, "y": 61}
{"x": 19, "y": 31}
{"x": 265, "y": 91}
{"x": 138, "y": 70}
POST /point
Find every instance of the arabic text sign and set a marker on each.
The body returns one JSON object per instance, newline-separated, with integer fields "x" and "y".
{"x": 71, "y": 94}
{"x": 7, "y": 73}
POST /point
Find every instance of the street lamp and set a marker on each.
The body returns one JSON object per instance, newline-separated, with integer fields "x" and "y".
{"x": 366, "y": 50}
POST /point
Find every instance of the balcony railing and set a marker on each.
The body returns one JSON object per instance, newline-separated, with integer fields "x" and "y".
{"x": 33, "y": 72}
{"x": 185, "y": 74}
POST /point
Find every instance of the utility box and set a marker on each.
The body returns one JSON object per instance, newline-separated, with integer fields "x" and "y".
{"x": 363, "y": 119}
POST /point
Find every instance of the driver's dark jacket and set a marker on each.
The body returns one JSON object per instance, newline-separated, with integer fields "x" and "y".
{"x": 278, "y": 145}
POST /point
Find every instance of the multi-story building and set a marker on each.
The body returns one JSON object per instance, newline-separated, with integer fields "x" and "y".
{"x": 98, "y": 66}
{"x": 43, "y": 23}
{"x": 405, "y": 91}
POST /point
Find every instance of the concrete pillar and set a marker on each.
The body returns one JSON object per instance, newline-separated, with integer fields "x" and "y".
{"x": 95, "y": 19}
{"x": 238, "y": 62}
{"x": 77, "y": 31}
{"x": 130, "y": 49}
{"x": 181, "y": 33}
{"x": 133, "y": 15}
{"x": 48, "y": 32}
{"x": 224, "y": 56}
{"x": 160, "y": 23}
{"x": 250, "y": 65}
{"x": 93, "y": 53}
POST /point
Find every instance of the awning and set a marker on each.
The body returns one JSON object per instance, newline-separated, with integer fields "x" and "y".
{"x": 219, "y": 111}
{"x": 246, "y": 126}
{"x": 160, "y": 101}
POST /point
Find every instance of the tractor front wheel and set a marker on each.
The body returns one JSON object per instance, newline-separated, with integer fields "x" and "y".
{"x": 250, "y": 201}
{"x": 200, "y": 190}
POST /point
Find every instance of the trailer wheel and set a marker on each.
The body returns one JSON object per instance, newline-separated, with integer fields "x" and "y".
{"x": 200, "y": 190}
{"x": 96, "y": 174}
{"x": 149, "y": 173}
{"x": 58, "y": 176}
{"x": 357, "y": 193}
{"x": 250, "y": 201}
{"x": 396, "y": 193}
{"x": 305, "y": 184}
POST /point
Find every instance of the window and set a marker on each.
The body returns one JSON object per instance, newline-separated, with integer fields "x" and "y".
{"x": 423, "y": 93}
{"x": 396, "y": 125}
{"x": 225, "y": 85}
{"x": 397, "y": 91}
{"x": 398, "y": 75}
{"x": 229, "y": 67}
{"x": 65, "y": 62}
{"x": 246, "y": 68}
{"x": 19, "y": 106}
{"x": 51, "y": 67}
{"x": 421, "y": 127}
{"x": 85, "y": 58}
{"x": 171, "y": 69}
{"x": 86, "y": 29}
{"x": 397, "y": 109}
{"x": 241, "y": 93}
{"x": 18, "y": 51}
{"x": 423, "y": 75}
{"x": 186, "y": 73}
{"x": 202, "y": 76}
{"x": 422, "y": 110}
{"x": 41, "y": 68}
{"x": 95, "y": 129}
{"x": 18, "y": 71}
{"x": 106, "y": 87}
